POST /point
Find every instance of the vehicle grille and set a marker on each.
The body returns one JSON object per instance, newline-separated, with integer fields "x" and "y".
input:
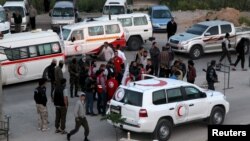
{"x": 174, "y": 41}
{"x": 5, "y": 32}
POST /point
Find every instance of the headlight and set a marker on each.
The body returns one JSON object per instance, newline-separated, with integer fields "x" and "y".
{"x": 156, "y": 25}
{"x": 184, "y": 42}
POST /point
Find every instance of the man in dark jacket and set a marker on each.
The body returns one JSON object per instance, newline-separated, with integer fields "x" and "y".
{"x": 51, "y": 75}
{"x": 18, "y": 21}
{"x": 74, "y": 71}
{"x": 171, "y": 28}
{"x": 154, "y": 54}
{"x": 41, "y": 101}
{"x": 59, "y": 73}
{"x": 240, "y": 54}
{"x": 90, "y": 86}
{"x": 211, "y": 75}
{"x": 60, "y": 99}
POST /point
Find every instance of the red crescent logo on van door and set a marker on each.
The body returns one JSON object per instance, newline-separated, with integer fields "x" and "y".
{"x": 161, "y": 83}
{"x": 21, "y": 70}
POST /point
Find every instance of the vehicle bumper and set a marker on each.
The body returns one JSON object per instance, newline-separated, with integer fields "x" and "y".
{"x": 142, "y": 126}
{"x": 159, "y": 29}
{"x": 179, "y": 48}
{"x": 23, "y": 27}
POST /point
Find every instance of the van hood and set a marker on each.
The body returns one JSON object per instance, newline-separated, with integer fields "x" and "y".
{"x": 183, "y": 37}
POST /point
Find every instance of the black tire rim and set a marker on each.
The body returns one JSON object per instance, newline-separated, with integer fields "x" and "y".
{"x": 163, "y": 132}
{"x": 218, "y": 117}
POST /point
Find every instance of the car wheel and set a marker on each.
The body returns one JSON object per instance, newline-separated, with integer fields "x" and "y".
{"x": 134, "y": 43}
{"x": 217, "y": 116}
{"x": 163, "y": 130}
{"x": 246, "y": 46}
{"x": 195, "y": 52}
{"x": 45, "y": 74}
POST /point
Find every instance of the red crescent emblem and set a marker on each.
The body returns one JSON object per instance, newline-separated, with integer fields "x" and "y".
{"x": 76, "y": 48}
{"x": 179, "y": 111}
{"x": 18, "y": 70}
{"x": 161, "y": 83}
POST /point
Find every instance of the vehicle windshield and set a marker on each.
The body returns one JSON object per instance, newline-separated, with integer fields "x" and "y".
{"x": 197, "y": 29}
{"x": 130, "y": 97}
{"x": 15, "y": 9}
{"x": 2, "y": 16}
{"x": 161, "y": 14}
{"x": 65, "y": 33}
{"x": 114, "y": 10}
{"x": 63, "y": 12}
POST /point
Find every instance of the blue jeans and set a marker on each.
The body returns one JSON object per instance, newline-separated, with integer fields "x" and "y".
{"x": 89, "y": 102}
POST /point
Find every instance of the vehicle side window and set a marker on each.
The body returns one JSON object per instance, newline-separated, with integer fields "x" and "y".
{"x": 226, "y": 28}
{"x": 213, "y": 30}
{"x": 192, "y": 93}
{"x": 159, "y": 97}
{"x": 44, "y": 49}
{"x": 126, "y": 22}
{"x": 16, "y": 54}
{"x": 96, "y": 30}
{"x": 112, "y": 29}
{"x": 140, "y": 21}
{"x": 174, "y": 95}
{"x": 33, "y": 51}
{"x": 77, "y": 35}
{"x": 23, "y": 53}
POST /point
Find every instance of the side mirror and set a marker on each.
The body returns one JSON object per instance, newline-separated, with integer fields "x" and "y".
{"x": 207, "y": 34}
{"x": 203, "y": 95}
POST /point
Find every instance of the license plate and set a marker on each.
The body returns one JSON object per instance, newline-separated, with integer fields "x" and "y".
{"x": 115, "y": 109}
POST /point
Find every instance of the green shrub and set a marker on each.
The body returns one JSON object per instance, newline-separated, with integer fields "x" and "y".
{"x": 244, "y": 20}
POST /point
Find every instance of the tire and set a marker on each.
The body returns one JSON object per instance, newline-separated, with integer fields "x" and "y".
{"x": 246, "y": 46}
{"x": 45, "y": 74}
{"x": 163, "y": 130}
{"x": 196, "y": 52}
{"x": 217, "y": 116}
{"x": 134, "y": 43}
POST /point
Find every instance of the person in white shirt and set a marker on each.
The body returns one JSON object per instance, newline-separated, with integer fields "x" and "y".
{"x": 107, "y": 52}
{"x": 121, "y": 54}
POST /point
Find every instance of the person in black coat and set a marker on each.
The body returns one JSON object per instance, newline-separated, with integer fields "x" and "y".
{"x": 171, "y": 28}
{"x": 240, "y": 54}
{"x": 211, "y": 75}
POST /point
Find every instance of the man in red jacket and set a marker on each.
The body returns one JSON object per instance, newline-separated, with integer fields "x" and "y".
{"x": 119, "y": 65}
{"x": 112, "y": 85}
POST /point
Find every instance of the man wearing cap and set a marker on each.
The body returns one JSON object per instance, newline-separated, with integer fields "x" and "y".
{"x": 80, "y": 118}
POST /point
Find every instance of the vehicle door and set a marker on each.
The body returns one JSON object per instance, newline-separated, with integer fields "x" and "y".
{"x": 113, "y": 34}
{"x": 95, "y": 40}
{"x": 127, "y": 103}
{"x": 127, "y": 24}
{"x": 75, "y": 43}
{"x": 176, "y": 107}
{"x": 227, "y": 28}
{"x": 212, "y": 39}
{"x": 142, "y": 27}
{"x": 196, "y": 102}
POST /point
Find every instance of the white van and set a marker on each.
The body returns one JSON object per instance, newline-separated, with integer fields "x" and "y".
{"x": 25, "y": 56}
{"x": 62, "y": 14}
{"x": 88, "y": 37}
{"x": 23, "y": 9}
{"x": 137, "y": 26}
{"x": 115, "y": 7}
{"x": 4, "y": 23}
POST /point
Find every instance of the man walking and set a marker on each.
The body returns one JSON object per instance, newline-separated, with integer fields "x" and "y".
{"x": 74, "y": 74}
{"x": 60, "y": 99}
{"x": 211, "y": 75}
{"x": 225, "y": 47}
{"x": 80, "y": 118}
{"x": 240, "y": 54}
{"x": 171, "y": 28}
{"x": 33, "y": 14}
{"x": 18, "y": 21}
{"x": 41, "y": 101}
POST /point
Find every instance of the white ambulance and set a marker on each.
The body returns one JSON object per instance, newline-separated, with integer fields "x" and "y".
{"x": 88, "y": 37}
{"x": 25, "y": 56}
{"x": 156, "y": 105}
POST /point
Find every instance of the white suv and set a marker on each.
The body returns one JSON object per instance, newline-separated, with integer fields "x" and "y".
{"x": 156, "y": 105}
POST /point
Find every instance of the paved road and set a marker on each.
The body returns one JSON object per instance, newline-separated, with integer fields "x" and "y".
{"x": 18, "y": 102}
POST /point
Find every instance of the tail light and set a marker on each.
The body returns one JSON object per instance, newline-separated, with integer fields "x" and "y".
{"x": 143, "y": 113}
